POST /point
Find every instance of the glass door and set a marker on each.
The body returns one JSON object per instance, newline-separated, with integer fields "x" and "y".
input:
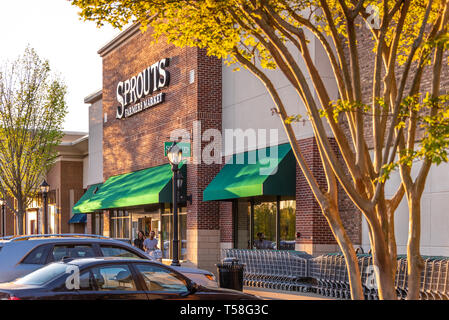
{"x": 145, "y": 222}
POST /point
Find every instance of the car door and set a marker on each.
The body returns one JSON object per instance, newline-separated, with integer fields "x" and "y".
{"x": 110, "y": 282}
{"x": 162, "y": 283}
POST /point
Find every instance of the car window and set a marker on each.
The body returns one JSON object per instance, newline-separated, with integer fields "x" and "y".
{"x": 72, "y": 251}
{"x": 111, "y": 278}
{"x": 37, "y": 256}
{"x": 44, "y": 275}
{"x": 113, "y": 251}
{"x": 87, "y": 281}
{"x": 161, "y": 279}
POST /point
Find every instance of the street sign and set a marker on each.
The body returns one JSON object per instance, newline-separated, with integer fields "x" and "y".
{"x": 186, "y": 153}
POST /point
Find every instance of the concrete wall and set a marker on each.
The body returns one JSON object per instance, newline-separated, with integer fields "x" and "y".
{"x": 95, "y": 162}
{"x": 85, "y": 172}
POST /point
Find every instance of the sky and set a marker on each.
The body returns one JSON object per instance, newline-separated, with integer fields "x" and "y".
{"x": 55, "y": 30}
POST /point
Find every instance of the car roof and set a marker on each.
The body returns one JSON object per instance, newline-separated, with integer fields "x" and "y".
{"x": 49, "y": 239}
{"x": 51, "y": 236}
{"x": 81, "y": 262}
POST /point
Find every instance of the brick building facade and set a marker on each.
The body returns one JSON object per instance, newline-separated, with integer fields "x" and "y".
{"x": 196, "y": 97}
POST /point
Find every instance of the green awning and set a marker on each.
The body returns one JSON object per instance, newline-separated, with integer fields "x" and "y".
{"x": 148, "y": 186}
{"x": 260, "y": 172}
{"x": 82, "y": 205}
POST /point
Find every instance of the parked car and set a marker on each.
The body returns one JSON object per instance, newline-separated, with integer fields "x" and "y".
{"x": 22, "y": 255}
{"x": 112, "y": 279}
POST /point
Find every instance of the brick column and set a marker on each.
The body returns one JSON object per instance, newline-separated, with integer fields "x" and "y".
{"x": 203, "y": 218}
{"x": 226, "y": 226}
{"x": 89, "y": 224}
{"x": 316, "y": 236}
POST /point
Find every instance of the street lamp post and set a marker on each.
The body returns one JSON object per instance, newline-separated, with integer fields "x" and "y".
{"x": 174, "y": 155}
{"x": 2, "y": 203}
{"x": 45, "y": 187}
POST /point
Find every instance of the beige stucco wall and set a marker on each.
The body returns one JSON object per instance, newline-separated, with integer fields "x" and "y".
{"x": 247, "y": 103}
{"x": 95, "y": 162}
{"x": 434, "y": 213}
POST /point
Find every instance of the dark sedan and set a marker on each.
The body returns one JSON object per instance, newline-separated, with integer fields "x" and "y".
{"x": 111, "y": 278}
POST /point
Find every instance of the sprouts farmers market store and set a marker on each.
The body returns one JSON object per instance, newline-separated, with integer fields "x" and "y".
{"x": 154, "y": 92}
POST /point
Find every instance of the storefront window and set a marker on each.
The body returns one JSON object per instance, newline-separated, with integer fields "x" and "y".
{"x": 288, "y": 224}
{"x": 97, "y": 223}
{"x": 120, "y": 224}
{"x": 265, "y": 221}
{"x": 167, "y": 232}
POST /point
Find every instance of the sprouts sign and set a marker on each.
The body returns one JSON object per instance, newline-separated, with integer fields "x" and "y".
{"x": 137, "y": 94}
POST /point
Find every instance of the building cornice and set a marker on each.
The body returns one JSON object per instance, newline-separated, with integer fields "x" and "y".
{"x": 94, "y": 97}
{"x": 119, "y": 39}
{"x": 75, "y": 142}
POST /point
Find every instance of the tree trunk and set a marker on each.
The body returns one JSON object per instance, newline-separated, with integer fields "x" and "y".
{"x": 383, "y": 267}
{"x": 415, "y": 263}
{"x": 392, "y": 247}
{"x": 345, "y": 244}
{"x": 20, "y": 214}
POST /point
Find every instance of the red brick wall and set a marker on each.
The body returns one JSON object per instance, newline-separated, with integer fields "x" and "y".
{"x": 63, "y": 177}
{"x": 136, "y": 143}
{"x": 9, "y": 218}
{"x": 367, "y": 59}
{"x": 226, "y": 222}
{"x": 310, "y": 221}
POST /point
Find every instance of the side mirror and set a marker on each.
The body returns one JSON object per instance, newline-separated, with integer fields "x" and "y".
{"x": 192, "y": 287}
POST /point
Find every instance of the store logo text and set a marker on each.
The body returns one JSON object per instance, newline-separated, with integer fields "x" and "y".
{"x": 131, "y": 92}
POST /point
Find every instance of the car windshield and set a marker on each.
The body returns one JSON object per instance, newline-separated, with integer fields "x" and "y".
{"x": 44, "y": 275}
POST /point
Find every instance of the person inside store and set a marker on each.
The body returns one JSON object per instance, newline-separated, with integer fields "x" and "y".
{"x": 150, "y": 243}
{"x": 261, "y": 243}
{"x": 138, "y": 242}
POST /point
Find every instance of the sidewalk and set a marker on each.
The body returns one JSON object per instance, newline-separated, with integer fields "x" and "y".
{"x": 270, "y": 294}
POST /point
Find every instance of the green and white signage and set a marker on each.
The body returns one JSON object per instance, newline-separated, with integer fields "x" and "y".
{"x": 185, "y": 147}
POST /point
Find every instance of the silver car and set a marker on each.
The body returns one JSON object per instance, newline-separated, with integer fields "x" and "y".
{"x": 22, "y": 255}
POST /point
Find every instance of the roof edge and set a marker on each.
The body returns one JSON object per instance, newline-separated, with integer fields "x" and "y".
{"x": 119, "y": 39}
{"x": 93, "y": 97}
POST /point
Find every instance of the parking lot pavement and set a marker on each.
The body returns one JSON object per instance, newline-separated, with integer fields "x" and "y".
{"x": 269, "y": 294}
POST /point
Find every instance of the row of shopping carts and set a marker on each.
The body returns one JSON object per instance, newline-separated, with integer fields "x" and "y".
{"x": 274, "y": 269}
{"x": 327, "y": 274}
{"x": 332, "y": 278}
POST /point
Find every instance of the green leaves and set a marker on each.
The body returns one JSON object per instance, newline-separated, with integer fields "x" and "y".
{"x": 32, "y": 112}
{"x": 294, "y": 118}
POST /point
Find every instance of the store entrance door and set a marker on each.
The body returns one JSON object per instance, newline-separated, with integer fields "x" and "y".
{"x": 144, "y": 224}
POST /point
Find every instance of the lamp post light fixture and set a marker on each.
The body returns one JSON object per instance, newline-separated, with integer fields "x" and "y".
{"x": 2, "y": 204}
{"x": 45, "y": 187}
{"x": 174, "y": 155}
